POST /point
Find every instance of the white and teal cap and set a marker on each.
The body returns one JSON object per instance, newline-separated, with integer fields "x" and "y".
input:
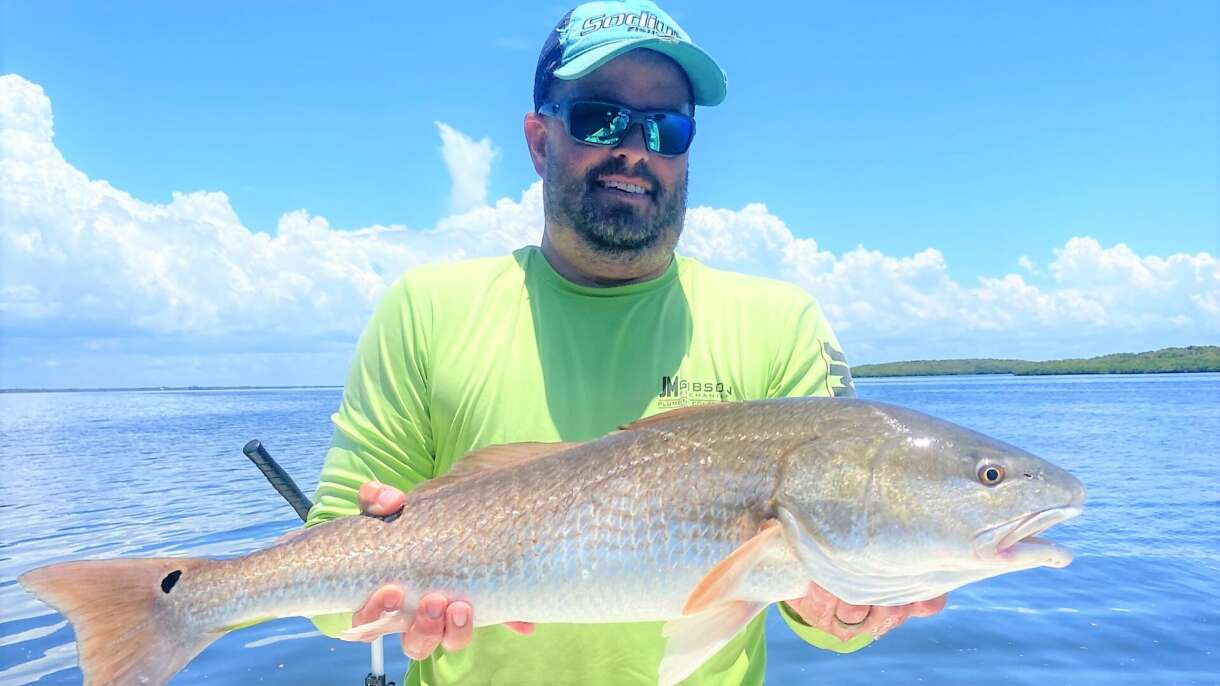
{"x": 594, "y": 33}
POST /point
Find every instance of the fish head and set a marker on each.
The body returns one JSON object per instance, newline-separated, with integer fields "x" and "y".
{"x": 908, "y": 507}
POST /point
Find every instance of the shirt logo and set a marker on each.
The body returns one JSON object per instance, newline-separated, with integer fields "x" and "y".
{"x": 677, "y": 392}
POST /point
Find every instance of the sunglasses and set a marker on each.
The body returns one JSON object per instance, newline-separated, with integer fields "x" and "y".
{"x": 596, "y": 122}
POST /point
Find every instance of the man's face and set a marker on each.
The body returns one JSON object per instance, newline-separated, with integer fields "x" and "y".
{"x": 612, "y": 221}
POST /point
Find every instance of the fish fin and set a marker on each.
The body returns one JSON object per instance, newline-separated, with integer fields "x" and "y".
{"x": 494, "y": 457}
{"x": 116, "y": 610}
{"x": 693, "y": 639}
{"x": 395, "y": 622}
{"x": 725, "y": 578}
{"x": 669, "y": 415}
{"x": 290, "y": 535}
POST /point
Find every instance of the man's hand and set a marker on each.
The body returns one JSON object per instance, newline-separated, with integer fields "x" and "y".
{"x": 437, "y": 621}
{"x": 821, "y": 610}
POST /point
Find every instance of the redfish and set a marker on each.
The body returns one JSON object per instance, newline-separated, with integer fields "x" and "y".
{"x": 699, "y": 517}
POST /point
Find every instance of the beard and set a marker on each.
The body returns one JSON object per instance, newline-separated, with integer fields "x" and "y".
{"x": 611, "y": 227}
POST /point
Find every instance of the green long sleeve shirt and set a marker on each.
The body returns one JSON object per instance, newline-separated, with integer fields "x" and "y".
{"x": 503, "y": 350}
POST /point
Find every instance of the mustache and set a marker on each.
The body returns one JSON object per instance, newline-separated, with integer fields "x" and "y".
{"x": 616, "y": 165}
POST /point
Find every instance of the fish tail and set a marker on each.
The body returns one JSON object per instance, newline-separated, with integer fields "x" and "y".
{"x": 124, "y": 631}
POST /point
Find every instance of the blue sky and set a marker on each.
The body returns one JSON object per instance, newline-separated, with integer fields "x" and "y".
{"x": 988, "y": 132}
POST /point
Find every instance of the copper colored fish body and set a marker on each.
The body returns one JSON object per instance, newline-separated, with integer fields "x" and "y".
{"x": 699, "y": 518}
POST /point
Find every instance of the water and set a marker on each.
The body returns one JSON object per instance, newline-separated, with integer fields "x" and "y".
{"x": 161, "y": 473}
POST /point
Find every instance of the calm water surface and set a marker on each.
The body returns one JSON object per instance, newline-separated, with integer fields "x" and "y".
{"x": 161, "y": 473}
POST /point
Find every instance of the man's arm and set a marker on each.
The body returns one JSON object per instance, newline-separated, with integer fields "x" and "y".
{"x": 382, "y": 448}
{"x": 383, "y": 436}
{"x": 383, "y": 427}
{"x": 812, "y": 364}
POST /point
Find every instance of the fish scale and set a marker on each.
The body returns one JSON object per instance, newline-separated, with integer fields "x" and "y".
{"x": 698, "y": 517}
{"x": 680, "y": 535}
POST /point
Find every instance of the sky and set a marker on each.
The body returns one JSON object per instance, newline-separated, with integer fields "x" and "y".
{"x": 218, "y": 195}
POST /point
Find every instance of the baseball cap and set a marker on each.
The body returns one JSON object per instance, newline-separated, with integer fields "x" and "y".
{"x": 594, "y": 33}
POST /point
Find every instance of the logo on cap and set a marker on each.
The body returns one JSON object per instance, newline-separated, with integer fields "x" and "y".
{"x": 644, "y": 21}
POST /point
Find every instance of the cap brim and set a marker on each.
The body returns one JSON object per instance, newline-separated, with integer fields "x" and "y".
{"x": 707, "y": 79}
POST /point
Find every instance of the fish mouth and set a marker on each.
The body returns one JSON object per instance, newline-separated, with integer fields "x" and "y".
{"x": 1016, "y": 542}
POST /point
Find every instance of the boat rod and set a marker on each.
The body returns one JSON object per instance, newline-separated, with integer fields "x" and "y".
{"x": 287, "y": 488}
{"x": 283, "y": 484}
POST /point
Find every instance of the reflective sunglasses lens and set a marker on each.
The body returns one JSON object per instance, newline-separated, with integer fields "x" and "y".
{"x": 597, "y": 123}
{"x": 603, "y": 124}
{"x": 668, "y": 134}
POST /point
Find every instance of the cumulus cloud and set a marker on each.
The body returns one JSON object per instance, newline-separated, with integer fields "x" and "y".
{"x": 469, "y": 164}
{"x": 885, "y": 307}
{"x": 84, "y": 254}
{"x": 84, "y": 258}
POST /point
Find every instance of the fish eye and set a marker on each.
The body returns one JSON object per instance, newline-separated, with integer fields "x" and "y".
{"x": 991, "y": 474}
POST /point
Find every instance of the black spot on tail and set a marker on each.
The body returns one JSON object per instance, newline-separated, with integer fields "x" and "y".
{"x": 170, "y": 579}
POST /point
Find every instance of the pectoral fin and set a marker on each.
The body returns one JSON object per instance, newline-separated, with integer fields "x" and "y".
{"x": 721, "y": 584}
{"x": 693, "y": 639}
{"x": 713, "y": 614}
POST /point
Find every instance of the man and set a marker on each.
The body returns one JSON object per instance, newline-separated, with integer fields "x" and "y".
{"x": 599, "y": 326}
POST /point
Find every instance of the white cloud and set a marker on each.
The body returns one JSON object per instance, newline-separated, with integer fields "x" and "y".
{"x": 885, "y": 307}
{"x": 83, "y": 258}
{"x": 469, "y": 164}
{"x": 89, "y": 256}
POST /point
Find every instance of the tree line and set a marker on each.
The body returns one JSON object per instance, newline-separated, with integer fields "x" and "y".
{"x": 1195, "y": 358}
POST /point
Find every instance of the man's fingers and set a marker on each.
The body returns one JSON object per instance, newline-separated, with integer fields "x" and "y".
{"x": 428, "y": 628}
{"x": 927, "y": 608}
{"x": 851, "y": 614}
{"x": 882, "y": 620}
{"x": 379, "y": 500}
{"x": 388, "y": 598}
{"x": 843, "y": 620}
{"x": 847, "y": 620}
{"x": 459, "y": 625}
{"x": 822, "y": 610}
{"x": 523, "y": 628}
{"x": 817, "y": 607}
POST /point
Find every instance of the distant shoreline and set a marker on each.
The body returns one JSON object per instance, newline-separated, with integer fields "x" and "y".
{"x": 1192, "y": 359}
{"x": 871, "y": 375}
{"x": 164, "y": 388}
